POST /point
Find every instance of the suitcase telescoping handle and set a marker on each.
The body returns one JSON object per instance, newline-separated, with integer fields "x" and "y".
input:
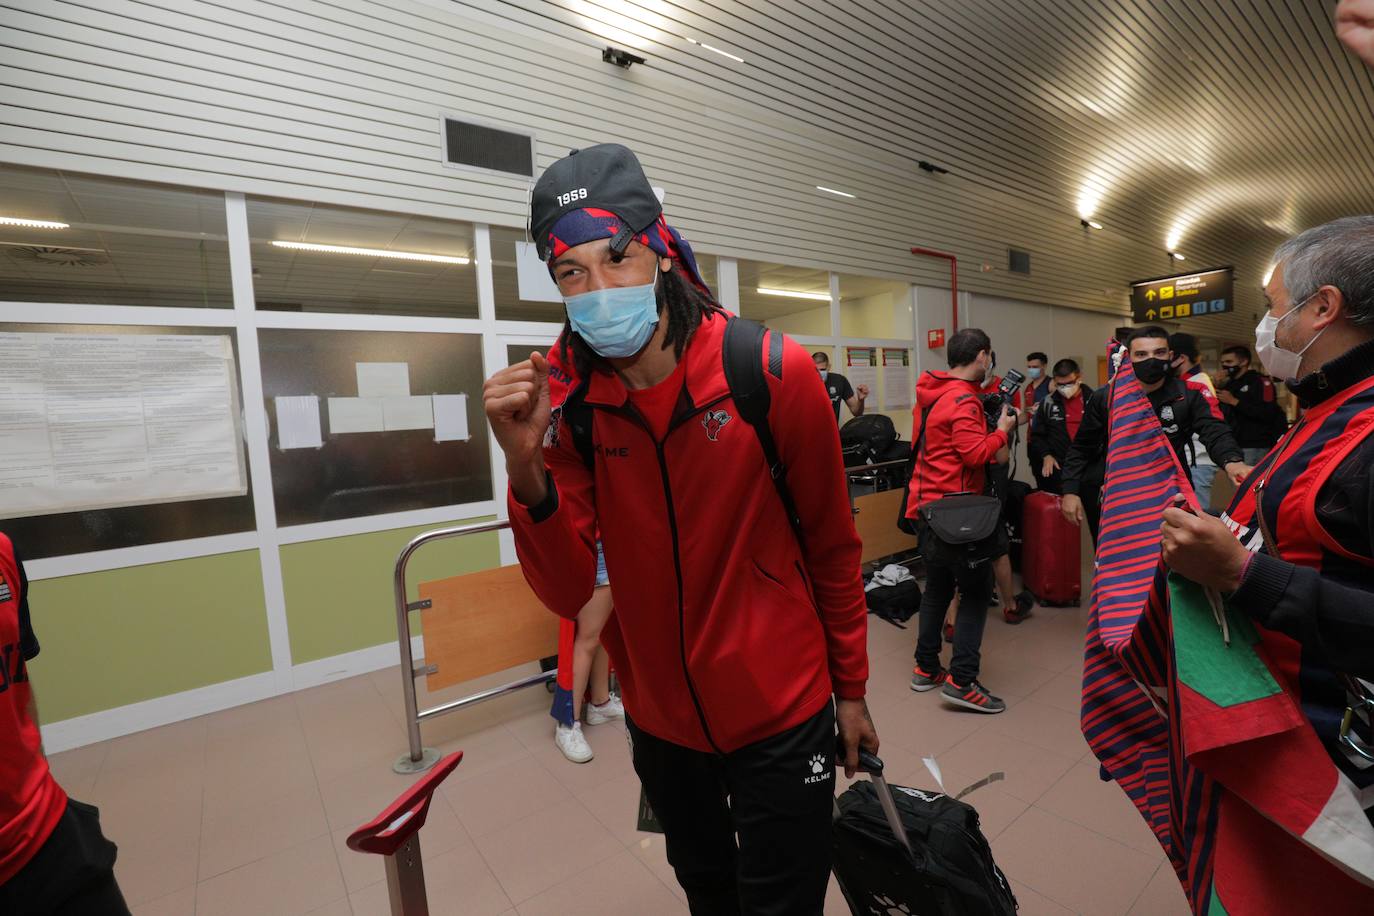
{"x": 872, "y": 764}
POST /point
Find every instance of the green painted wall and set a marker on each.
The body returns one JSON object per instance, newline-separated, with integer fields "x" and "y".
{"x": 126, "y": 635}
{"x": 338, "y": 591}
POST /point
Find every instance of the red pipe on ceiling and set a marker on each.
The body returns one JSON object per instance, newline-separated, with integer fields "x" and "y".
{"x": 953, "y": 282}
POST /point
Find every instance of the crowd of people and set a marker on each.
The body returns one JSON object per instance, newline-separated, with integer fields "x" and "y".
{"x": 669, "y": 447}
{"x": 718, "y": 514}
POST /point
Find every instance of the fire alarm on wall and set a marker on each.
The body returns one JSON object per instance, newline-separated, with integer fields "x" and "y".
{"x": 935, "y": 339}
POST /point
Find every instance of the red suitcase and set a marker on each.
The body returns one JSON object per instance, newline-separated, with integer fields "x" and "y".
{"x": 1051, "y": 559}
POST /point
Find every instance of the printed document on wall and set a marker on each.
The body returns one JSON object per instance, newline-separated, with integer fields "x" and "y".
{"x": 298, "y": 422}
{"x": 451, "y": 418}
{"x": 897, "y": 387}
{"x": 92, "y": 421}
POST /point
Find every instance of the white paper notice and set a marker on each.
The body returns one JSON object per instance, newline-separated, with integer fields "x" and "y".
{"x": 896, "y": 388}
{"x": 451, "y": 418}
{"x": 532, "y": 279}
{"x": 864, "y": 375}
{"x": 298, "y": 422}
{"x": 408, "y": 413}
{"x": 101, "y": 420}
{"x": 355, "y": 415}
{"x": 383, "y": 380}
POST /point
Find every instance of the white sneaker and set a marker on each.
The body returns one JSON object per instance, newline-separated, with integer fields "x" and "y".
{"x": 572, "y": 743}
{"x": 608, "y": 711}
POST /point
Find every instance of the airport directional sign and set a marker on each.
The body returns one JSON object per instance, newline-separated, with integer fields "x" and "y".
{"x": 1193, "y": 295}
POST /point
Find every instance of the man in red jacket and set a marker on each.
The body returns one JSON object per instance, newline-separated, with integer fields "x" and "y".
{"x": 731, "y": 632}
{"x": 954, "y": 452}
{"x": 53, "y": 857}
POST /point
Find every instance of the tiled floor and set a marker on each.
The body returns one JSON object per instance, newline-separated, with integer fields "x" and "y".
{"x": 246, "y": 811}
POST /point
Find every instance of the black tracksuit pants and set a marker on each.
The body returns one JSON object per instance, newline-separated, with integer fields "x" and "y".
{"x": 72, "y": 874}
{"x": 748, "y": 833}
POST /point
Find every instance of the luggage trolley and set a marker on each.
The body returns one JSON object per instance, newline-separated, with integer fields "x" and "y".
{"x": 395, "y": 834}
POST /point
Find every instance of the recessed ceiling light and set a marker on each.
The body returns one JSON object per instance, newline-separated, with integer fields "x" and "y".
{"x": 1176, "y": 256}
{"x": 793, "y": 294}
{"x": 833, "y": 191}
{"x": 373, "y": 252}
{"x": 31, "y": 223}
{"x": 738, "y": 60}
{"x": 1090, "y": 224}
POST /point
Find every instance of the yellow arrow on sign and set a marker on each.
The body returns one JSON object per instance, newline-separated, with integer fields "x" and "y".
{"x": 1150, "y": 295}
{"x": 1150, "y": 315}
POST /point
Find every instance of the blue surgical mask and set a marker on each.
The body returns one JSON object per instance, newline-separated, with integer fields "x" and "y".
{"x": 618, "y": 321}
{"x": 1032, "y": 372}
{"x": 825, "y": 373}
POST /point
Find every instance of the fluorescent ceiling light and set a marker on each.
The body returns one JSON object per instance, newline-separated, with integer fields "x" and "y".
{"x": 738, "y": 60}
{"x": 31, "y": 223}
{"x": 373, "y": 252}
{"x": 793, "y": 294}
{"x": 833, "y": 191}
{"x": 1268, "y": 275}
{"x": 1176, "y": 256}
{"x": 1091, "y": 224}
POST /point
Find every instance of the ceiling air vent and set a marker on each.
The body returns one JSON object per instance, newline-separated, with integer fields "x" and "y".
{"x": 60, "y": 257}
{"x": 1018, "y": 262}
{"x": 478, "y": 146}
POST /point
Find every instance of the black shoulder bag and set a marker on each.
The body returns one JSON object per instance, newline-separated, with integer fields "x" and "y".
{"x": 959, "y": 527}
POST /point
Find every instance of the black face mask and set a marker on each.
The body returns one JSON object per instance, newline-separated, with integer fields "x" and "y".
{"x": 1151, "y": 370}
{"x": 1232, "y": 371}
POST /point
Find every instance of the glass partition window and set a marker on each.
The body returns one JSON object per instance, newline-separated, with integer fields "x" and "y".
{"x": 871, "y": 307}
{"x": 386, "y": 426}
{"x": 792, "y": 299}
{"x": 316, "y": 258}
{"x": 117, "y": 526}
{"x": 74, "y": 238}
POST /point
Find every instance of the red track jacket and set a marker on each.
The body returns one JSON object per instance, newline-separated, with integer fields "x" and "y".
{"x": 725, "y": 630}
{"x": 958, "y": 445}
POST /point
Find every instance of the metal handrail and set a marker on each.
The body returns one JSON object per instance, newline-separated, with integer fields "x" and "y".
{"x": 880, "y": 464}
{"x": 420, "y": 758}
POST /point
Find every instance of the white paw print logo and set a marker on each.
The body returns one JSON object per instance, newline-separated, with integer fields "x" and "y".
{"x": 889, "y": 907}
{"x": 818, "y": 763}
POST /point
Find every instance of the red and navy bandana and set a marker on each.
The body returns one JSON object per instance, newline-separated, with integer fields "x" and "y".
{"x": 577, "y": 227}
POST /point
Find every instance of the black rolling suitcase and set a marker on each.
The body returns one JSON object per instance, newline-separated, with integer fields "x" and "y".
{"x": 900, "y": 850}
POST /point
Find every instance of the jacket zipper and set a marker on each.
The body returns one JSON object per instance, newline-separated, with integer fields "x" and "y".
{"x": 633, "y": 413}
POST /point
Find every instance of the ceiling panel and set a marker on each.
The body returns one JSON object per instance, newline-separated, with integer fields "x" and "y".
{"x": 1216, "y": 128}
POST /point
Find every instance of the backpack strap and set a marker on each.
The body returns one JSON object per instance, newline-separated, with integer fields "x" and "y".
{"x": 575, "y": 418}
{"x": 742, "y": 359}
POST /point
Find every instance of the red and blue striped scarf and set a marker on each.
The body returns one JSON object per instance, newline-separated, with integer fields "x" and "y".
{"x": 1208, "y": 740}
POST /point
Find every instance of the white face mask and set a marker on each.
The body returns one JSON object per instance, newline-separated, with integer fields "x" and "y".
{"x": 1069, "y": 390}
{"x": 1280, "y": 363}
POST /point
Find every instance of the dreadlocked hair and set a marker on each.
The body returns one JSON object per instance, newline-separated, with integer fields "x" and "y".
{"x": 681, "y": 304}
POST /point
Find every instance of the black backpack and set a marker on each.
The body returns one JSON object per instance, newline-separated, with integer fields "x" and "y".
{"x": 894, "y": 603}
{"x": 742, "y": 360}
{"x": 863, "y": 440}
{"x": 953, "y": 875}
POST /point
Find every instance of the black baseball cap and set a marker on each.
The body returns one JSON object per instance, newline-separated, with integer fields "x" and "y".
{"x": 605, "y": 177}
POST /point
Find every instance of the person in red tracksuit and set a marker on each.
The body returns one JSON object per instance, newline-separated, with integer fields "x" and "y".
{"x": 953, "y": 458}
{"x": 54, "y": 859}
{"x": 740, "y": 646}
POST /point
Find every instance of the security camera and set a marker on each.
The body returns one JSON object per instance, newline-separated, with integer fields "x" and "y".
{"x": 620, "y": 58}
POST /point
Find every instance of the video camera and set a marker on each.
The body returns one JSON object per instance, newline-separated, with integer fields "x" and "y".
{"x": 994, "y": 402}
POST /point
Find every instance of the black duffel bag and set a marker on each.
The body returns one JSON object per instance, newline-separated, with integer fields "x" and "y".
{"x": 952, "y": 874}
{"x": 864, "y": 439}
